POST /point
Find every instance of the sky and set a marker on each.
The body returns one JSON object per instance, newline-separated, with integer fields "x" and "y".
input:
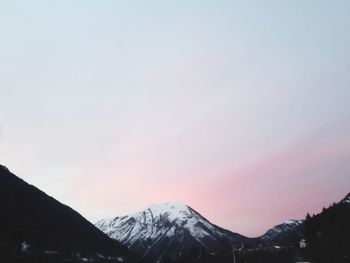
{"x": 240, "y": 109}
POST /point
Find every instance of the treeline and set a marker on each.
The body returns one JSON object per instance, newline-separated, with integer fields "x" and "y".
{"x": 327, "y": 237}
{"x": 328, "y": 234}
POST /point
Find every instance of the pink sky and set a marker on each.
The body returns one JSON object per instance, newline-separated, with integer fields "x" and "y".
{"x": 247, "y": 196}
{"x": 239, "y": 109}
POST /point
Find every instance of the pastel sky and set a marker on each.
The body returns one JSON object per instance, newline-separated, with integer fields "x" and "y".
{"x": 240, "y": 109}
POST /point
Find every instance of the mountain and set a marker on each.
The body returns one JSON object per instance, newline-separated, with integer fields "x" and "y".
{"x": 346, "y": 200}
{"x": 30, "y": 218}
{"x": 167, "y": 230}
{"x": 328, "y": 233}
{"x": 287, "y": 234}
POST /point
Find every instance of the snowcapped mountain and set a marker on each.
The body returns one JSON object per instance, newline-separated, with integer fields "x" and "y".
{"x": 292, "y": 231}
{"x": 286, "y": 234}
{"x": 346, "y": 199}
{"x": 282, "y": 229}
{"x": 168, "y": 230}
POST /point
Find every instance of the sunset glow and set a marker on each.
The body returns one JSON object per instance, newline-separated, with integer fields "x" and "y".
{"x": 111, "y": 107}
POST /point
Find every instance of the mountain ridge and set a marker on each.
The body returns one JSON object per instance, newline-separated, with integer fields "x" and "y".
{"x": 151, "y": 230}
{"x": 43, "y": 223}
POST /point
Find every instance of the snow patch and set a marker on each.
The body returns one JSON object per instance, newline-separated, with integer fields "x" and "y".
{"x": 25, "y": 246}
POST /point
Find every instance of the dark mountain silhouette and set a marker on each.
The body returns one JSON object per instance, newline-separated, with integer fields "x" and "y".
{"x": 328, "y": 233}
{"x": 30, "y": 217}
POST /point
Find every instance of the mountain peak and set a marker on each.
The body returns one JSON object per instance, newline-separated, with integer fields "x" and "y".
{"x": 174, "y": 210}
{"x": 170, "y": 205}
{"x": 150, "y": 231}
{"x": 346, "y": 199}
{"x": 170, "y": 210}
{"x": 287, "y": 233}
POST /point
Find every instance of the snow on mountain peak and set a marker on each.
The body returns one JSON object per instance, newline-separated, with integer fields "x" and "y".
{"x": 293, "y": 222}
{"x": 278, "y": 230}
{"x": 174, "y": 213}
{"x": 346, "y": 200}
{"x": 175, "y": 210}
{"x": 150, "y": 231}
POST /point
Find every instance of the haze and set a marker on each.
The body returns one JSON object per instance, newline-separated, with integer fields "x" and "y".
{"x": 239, "y": 109}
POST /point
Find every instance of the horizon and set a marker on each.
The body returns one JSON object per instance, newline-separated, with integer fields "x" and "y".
{"x": 238, "y": 109}
{"x": 180, "y": 203}
{"x": 235, "y": 231}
